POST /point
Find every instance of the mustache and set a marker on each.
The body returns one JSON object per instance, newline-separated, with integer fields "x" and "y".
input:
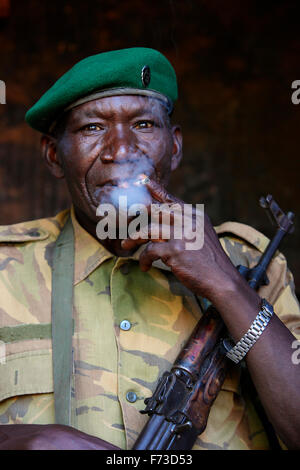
{"x": 134, "y": 189}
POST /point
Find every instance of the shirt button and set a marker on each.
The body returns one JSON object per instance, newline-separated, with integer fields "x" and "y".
{"x": 131, "y": 397}
{"x": 124, "y": 268}
{"x": 125, "y": 325}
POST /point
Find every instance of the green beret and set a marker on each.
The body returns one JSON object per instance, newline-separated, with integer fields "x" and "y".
{"x": 137, "y": 70}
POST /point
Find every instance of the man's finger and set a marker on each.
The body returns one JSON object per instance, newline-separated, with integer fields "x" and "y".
{"x": 130, "y": 243}
{"x": 157, "y": 233}
{"x": 159, "y": 193}
{"x": 152, "y": 253}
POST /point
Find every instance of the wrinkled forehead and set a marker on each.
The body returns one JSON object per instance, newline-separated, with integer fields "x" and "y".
{"x": 129, "y": 105}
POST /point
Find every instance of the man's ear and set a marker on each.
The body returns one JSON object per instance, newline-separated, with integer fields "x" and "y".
{"x": 49, "y": 152}
{"x": 177, "y": 147}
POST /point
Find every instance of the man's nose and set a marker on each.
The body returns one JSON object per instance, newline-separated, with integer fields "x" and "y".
{"x": 120, "y": 144}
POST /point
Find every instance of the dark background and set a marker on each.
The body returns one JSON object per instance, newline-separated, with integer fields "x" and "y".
{"x": 235, "y": 62}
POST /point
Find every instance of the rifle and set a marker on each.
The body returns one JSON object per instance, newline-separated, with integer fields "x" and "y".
{"x": 180, "y": 405}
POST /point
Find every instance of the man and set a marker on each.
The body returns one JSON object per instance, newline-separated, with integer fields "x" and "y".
{"x": 104, "y": 123}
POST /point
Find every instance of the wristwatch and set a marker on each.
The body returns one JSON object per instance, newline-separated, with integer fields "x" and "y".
{"x": 237, "y": 352}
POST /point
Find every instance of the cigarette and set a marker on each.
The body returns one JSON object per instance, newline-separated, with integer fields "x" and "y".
{"x": 143, "y": 179}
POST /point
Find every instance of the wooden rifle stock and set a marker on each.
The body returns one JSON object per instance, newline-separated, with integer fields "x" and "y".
{"x": 180, "y": 406}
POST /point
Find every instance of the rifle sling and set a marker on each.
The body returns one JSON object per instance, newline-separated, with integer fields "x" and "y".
{"x": 62, "y": 321}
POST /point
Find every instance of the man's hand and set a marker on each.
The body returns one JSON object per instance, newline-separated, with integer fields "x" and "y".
{"x": 210, "y": 273}
{"x": 48, "y": 437}
{"x": 203, "y": 270}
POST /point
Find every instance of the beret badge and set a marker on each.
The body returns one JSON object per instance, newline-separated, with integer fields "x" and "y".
{"x": 146, "y": 75}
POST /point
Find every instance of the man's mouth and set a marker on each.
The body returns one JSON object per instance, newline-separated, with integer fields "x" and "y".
{"x": 132, "y": 187}
{"x": 126, "y": 182}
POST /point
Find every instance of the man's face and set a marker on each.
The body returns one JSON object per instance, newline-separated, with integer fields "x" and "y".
{"x": 112, "y": 140}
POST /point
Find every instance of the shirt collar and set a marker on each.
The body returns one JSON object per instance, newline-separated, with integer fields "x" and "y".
{"x": 89, "y": 253}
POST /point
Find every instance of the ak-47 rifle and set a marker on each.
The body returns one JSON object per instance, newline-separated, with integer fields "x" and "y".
{"x": 181, "y": 403}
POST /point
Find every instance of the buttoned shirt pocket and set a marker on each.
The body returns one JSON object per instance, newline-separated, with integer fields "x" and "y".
{"x": 26, "y": 386}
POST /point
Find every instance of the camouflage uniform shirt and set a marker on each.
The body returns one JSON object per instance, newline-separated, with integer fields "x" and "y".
{"x": 109, "y": 361}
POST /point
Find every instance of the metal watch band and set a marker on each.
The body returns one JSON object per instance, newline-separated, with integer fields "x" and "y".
{"x": 239, "y": 351}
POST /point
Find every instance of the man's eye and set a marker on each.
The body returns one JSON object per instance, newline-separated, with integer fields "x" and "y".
{"x": 92, "y": 127}
{"x": 144, "y": 125}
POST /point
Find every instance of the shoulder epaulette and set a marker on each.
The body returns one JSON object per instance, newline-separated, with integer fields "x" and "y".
{"x": 23, "y": 232}
{"x": 243, "y": 232}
